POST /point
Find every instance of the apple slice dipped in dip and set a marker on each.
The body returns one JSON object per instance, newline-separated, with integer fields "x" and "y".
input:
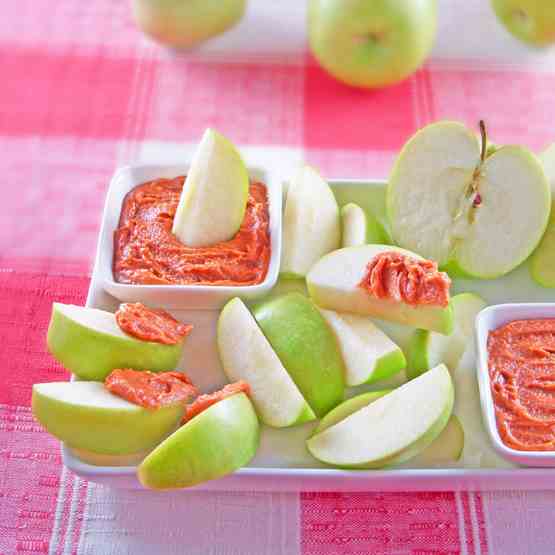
{"x": 90, "y": 342}
{"x": 386, "y": 282}
{"x": 219, "y": 436}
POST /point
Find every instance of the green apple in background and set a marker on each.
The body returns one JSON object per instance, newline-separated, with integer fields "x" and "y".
{"x": 333, "y": 283}
{"x": 246, "y": 355}
{"x": 186, "y": 23}
{"x": 87, "y": 417}
{"x": 216, "y": 442}
{"x": 306, "y": 347}
{"x": 368, "y": 353}
{"x": 392, "y": 428}
{"x": 446, "y": 448}
{"x": 214, "y": 198}
{"x": 359, "y": 227}
{"x": 371, "y": 44}
{"x": 531, "y": 21}
{"x": 476, "y": 215}
{"x": 89, "y": 343}
{"x": 311, "y": 223}
{"x": 428, "y": 349}
{"x": 542, "y": 261}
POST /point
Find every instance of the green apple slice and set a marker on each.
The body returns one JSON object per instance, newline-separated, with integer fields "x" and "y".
{"x": 246, "y": 355}
{"x": 89, "y": 343}
{"x": 428, "y": 349}
{"x": 306, "y": 347}
{"x": 391, "y": 429}
{"x": 542, "y": 261}
{"x": 216, "y": 442}
{"x": 214, "y": 198}
{"x": 85, "y": 415}
{"x": 311, "y": 223}
{"x": 359, "y": 227}
{"x": 475, "y": 215}
{"x": 333, "y": 283}
{"x": 368, "y": 353}
{"x": 446, "y": 448}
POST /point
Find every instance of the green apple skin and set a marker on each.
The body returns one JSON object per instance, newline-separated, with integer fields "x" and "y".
{"x": 216, "y": 442}
{"x": 186, "y": 24}
{"x": 346, "y": 408}
{"x": 443, "y": 385}
{"x": 86, "y": 416}
{"x": 371, "y": 44}
{"x": 333, "y": 284}
{"x": 306, "y": 347}
{"x": 92, "y": 354}
{"x": 531, "y": 21}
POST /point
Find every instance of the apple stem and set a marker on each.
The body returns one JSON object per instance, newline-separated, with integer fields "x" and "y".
{"x": 484, "y": 140}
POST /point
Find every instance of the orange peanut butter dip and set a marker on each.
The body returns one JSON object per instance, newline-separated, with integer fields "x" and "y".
{"x": 147, "y": 252}
{"x": 148, "y": 324}
{"x": 521, "y": 360}
{"x": 395, "y": 276}
{"x": 204, "y": 401}
{"x": 151, "y": 390}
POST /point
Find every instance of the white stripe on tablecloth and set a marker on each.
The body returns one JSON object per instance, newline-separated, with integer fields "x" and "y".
{"x": 61, "y": 501}
{"x": 138, "y": 522}
{"x": 72, "y": 515}
{"x": 462, "y": 531}
{"x": 474, "y": 521}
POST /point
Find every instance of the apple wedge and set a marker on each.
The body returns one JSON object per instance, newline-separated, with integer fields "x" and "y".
{"x": 476, "y": 215}
{"x": 359, "y": 227}
{"x": 542, "y": 261}
{"x": 246, "y": 355}
{"x": 333, "y": 283}
{"x": 428, "y": 349}
{"x": 86, "y": 416}
{"x": 216, "y": 442}
{"x": 311, "y": 223}
{"x": 446, "y": 448}
{"x": 307, "y": 348}
{"x": 392, "y": 428}
{"x": 89, "y": 343}
{"x": 214, "y": 197}
{"x": 369, "y": 355}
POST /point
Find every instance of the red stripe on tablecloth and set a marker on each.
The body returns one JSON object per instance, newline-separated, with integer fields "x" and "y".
{"x": 467, "y": 522}
{"x": 379, "y": 523}
{"x": 479, "y": 504}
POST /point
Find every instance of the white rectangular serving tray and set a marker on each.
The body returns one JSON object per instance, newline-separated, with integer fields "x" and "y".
{"x": 282, "y": 462}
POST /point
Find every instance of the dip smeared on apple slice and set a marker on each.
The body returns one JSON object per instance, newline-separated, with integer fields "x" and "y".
{"x": 476, "y": 215}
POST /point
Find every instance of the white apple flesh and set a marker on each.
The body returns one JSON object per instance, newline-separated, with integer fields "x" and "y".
{"x": 311, "y": 223}
{"x": 392, "y": 428}
{"x": 334, "y": 280}
{"x": 89, "y": 343}
{"x": 479, "y": 218}
{"x": 247, "y": 355}
{"x": 368, "y": 353}
{"x": 214, "y": 198}
{"x": 86, "y": 416}
{"x": 359, "y": 227}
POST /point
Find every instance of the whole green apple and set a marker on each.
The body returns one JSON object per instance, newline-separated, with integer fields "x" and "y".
{"x": 531, "y": 21}
{"x": 186, "y": 23}
{"x": 371, "y": 43}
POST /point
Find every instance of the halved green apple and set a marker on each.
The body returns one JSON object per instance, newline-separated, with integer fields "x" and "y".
{"x": 214, "y": 197}
{"x": 476, "y": 215}
{"x": 87, "y": 417}
{"x": 542, "y": 261}
{"x": 333, "y": 283}
{"x": 368, "y": 353}
{"x": 246, "y": 355}
{"x": 216, "y": 442}
{"x": 392, "y": 428}
{"x": 311, "y": 223}
{"x": 428, "y": 349}
{"x": 306, "y": 347}
{"x": 89, "y": 343}
{"x": 359, "y": 227}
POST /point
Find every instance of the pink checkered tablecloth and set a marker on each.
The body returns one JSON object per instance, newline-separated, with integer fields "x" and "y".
{"x": 83, "y": 92}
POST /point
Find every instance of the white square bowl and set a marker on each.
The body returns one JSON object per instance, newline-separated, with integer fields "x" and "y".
{"x": 487, "y": 320}
{"x": 195, "y": 297}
